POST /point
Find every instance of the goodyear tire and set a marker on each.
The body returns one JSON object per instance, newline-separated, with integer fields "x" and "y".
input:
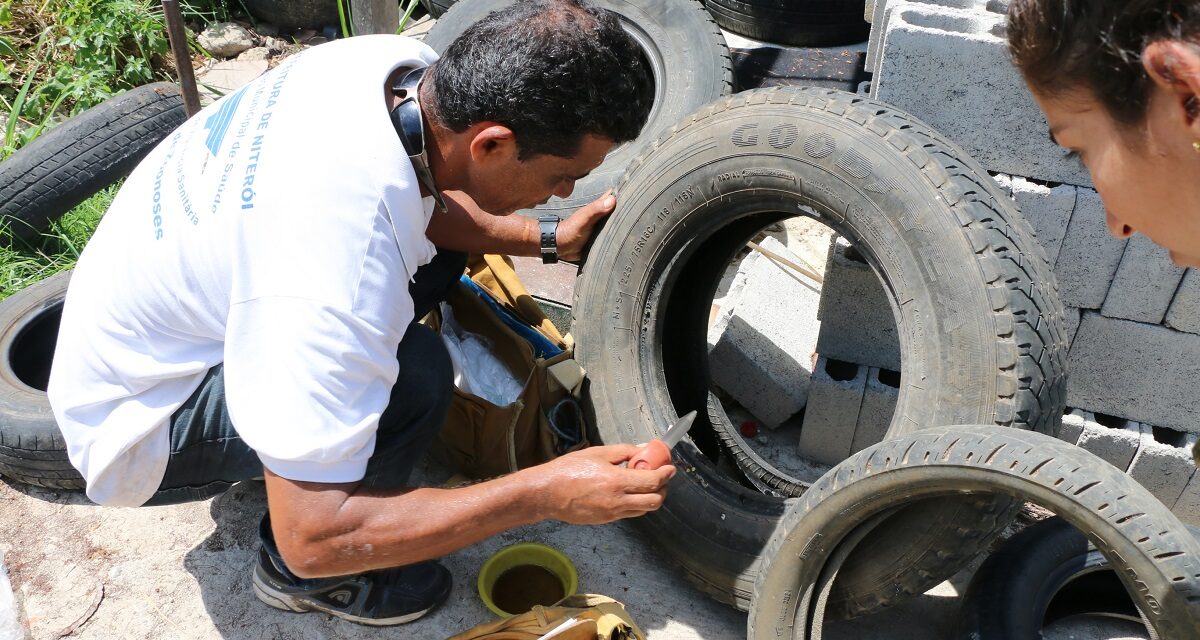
{"x": 976, "y": 305}
{"x": 1157, "y": 558}
{"x": 683, "y": 47}
{"x": 67, "y": 164}
{"x": 32, "y": 450}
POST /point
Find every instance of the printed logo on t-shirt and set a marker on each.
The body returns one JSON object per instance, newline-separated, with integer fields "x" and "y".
{"x": 218, "y": 123}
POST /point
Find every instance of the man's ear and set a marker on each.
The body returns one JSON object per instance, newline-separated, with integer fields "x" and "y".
{"x": 491, "y": 141}
{"x": 1174, "y": 67}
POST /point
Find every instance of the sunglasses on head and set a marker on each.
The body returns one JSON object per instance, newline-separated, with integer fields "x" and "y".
{"x": 410, "y": 127}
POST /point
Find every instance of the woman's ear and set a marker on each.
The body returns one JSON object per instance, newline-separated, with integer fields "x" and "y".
{"x": 1174, "y": 67}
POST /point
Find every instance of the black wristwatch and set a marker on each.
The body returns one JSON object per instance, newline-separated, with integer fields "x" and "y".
{"x": 549, "y": 228}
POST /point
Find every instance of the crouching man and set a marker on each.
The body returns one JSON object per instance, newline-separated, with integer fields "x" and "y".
{"x": 247, "y": 306}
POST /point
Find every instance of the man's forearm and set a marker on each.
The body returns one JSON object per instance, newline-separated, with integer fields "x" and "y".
{"x": 463, "y": 226}
{"x": 374, "y": 529}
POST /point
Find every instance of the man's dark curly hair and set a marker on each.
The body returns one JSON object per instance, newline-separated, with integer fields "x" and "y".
{"x": 1096, "y": 45}
{"x": 550, "y": 70}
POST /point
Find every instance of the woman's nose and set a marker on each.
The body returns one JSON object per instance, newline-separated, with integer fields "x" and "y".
{"x": 1116, "y": 227}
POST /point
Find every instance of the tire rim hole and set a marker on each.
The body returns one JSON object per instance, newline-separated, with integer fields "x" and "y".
{"x": 730, "y": 283}
{"x": 33, "y": 349}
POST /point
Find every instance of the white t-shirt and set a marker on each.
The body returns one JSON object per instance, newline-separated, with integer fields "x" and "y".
{"x": 276, "y": 231}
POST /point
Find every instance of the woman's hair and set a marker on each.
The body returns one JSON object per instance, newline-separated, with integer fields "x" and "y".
{"x": 1096, "y": 45}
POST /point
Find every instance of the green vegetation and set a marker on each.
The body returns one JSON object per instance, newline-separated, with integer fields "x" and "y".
{"x": 22, "y": 265}
{"x": 60, "y": 57}
{"x": 63, "y": 56}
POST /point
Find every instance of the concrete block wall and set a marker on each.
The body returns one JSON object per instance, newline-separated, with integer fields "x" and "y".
{"x": 1159, "y": 459}
{"x": 762, "y": 344}
{"x": 1133, "y": 317}
{"x": 947, "y": 62}
{"x": 857, "y": 323}
{"x": 850, "y": 408}
{"x": 1134, "y": 370}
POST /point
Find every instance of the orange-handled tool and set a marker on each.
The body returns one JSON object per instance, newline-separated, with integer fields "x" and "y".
{"x": 657, "y": 452}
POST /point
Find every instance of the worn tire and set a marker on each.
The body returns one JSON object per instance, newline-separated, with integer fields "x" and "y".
{"x": 32, "y": 449}
{"x": 67, "y": 164}
{"x": 811, "y": 23}
{"x": 1157, "y": 558}
{"x": 1046, "y": 572}
{"x": 684, "y": 48}
{"x": 437, "y": 7}
{"x": 980, "y": 321}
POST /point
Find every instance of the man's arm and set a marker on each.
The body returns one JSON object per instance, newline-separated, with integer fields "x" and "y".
{"x": 342, "y": 529}
{"x": 463, "y": 226}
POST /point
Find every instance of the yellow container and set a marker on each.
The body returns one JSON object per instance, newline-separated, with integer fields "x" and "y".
{"x": 521, "y": 554}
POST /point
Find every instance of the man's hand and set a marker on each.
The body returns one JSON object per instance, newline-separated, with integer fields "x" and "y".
{"x": 588, "y": 486}
{"x": 574, "y": 231}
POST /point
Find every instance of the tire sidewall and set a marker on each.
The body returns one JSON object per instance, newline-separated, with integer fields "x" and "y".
{"x": 875, "y": 480}
{"x": 23, "y": 407}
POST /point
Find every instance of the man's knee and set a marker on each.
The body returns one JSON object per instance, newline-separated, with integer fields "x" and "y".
{"x": 426, "y": 377}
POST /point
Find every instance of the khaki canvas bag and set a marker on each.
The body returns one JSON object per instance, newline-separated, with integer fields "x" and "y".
{"x": 484, "y": 440}
{"x": 577, "y": 617}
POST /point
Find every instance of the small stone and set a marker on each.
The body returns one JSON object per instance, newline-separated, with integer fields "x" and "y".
{"x": 225, "y": 39}
{"x": 255, "y": 53}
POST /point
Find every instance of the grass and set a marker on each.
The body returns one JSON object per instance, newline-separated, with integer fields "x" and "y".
{"x": 23, "y": 264}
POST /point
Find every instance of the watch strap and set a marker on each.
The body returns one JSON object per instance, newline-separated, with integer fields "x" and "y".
{"x": 548, "y": 226}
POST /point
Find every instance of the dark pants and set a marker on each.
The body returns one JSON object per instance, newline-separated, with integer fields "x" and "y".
{"x": 208, "y": 456}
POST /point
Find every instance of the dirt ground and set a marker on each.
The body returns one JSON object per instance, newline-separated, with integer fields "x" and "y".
{"x": 183, "y": 572}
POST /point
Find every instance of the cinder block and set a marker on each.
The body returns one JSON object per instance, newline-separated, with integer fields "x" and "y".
{"x": 857, "y": 323}
{"x": 762, "y": 344}
{"x": 1187, "y": 508}
{"x": 877, "y": 13}
{"x": 1117, "y": 446}
{"x": 1047, "y": 208}
{"x": 1145, "y": 283}
{"x": 1163, "y": 469}
{"x": 1184, "y": 313}
{"x": 834, "y": 401}
{"x": 1071, "y": 317}
{"x": 950, "y": 67}
{"x": 878, "y": 406}
{"x": 1073, "y": 424}
{"x": 1089, "y": 257}
{"x": 1143, "y": 372}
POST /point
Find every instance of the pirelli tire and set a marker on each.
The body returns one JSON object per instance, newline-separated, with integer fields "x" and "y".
{"x": 67, "y": 164}
{"x": 680, "y": 43}
{"x": 804, "y": 23}
{"x": 976, "y": 305}
{"x": 32, "y": 450}
{"x": 1155, "y": 556}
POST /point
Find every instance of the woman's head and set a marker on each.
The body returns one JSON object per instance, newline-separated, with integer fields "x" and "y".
{"x": 1119, "y": 81}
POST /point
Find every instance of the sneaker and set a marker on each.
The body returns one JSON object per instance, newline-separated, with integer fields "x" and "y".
{"x": 377, "y": 598}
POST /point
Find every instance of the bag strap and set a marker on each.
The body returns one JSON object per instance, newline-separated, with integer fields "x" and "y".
{"x": 496, "y": 274}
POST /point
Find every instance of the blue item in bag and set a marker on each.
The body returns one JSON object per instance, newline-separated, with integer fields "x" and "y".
{"x": 542, "y": 346}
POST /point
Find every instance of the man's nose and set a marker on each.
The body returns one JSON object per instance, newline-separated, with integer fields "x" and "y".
{"x": 565, "y": 188}
{"x": 1116, "y": 227}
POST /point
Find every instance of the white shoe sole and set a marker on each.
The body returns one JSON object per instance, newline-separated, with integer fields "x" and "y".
{"x": 283, "y": 601}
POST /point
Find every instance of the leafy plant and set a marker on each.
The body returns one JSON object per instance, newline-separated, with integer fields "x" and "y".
{"x": 23, "y": 264}
{"x": 63, "y": 56}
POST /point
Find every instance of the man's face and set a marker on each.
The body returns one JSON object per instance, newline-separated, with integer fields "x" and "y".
{"x": 1147, "y": 175}
{"x": 500, "y": 183}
